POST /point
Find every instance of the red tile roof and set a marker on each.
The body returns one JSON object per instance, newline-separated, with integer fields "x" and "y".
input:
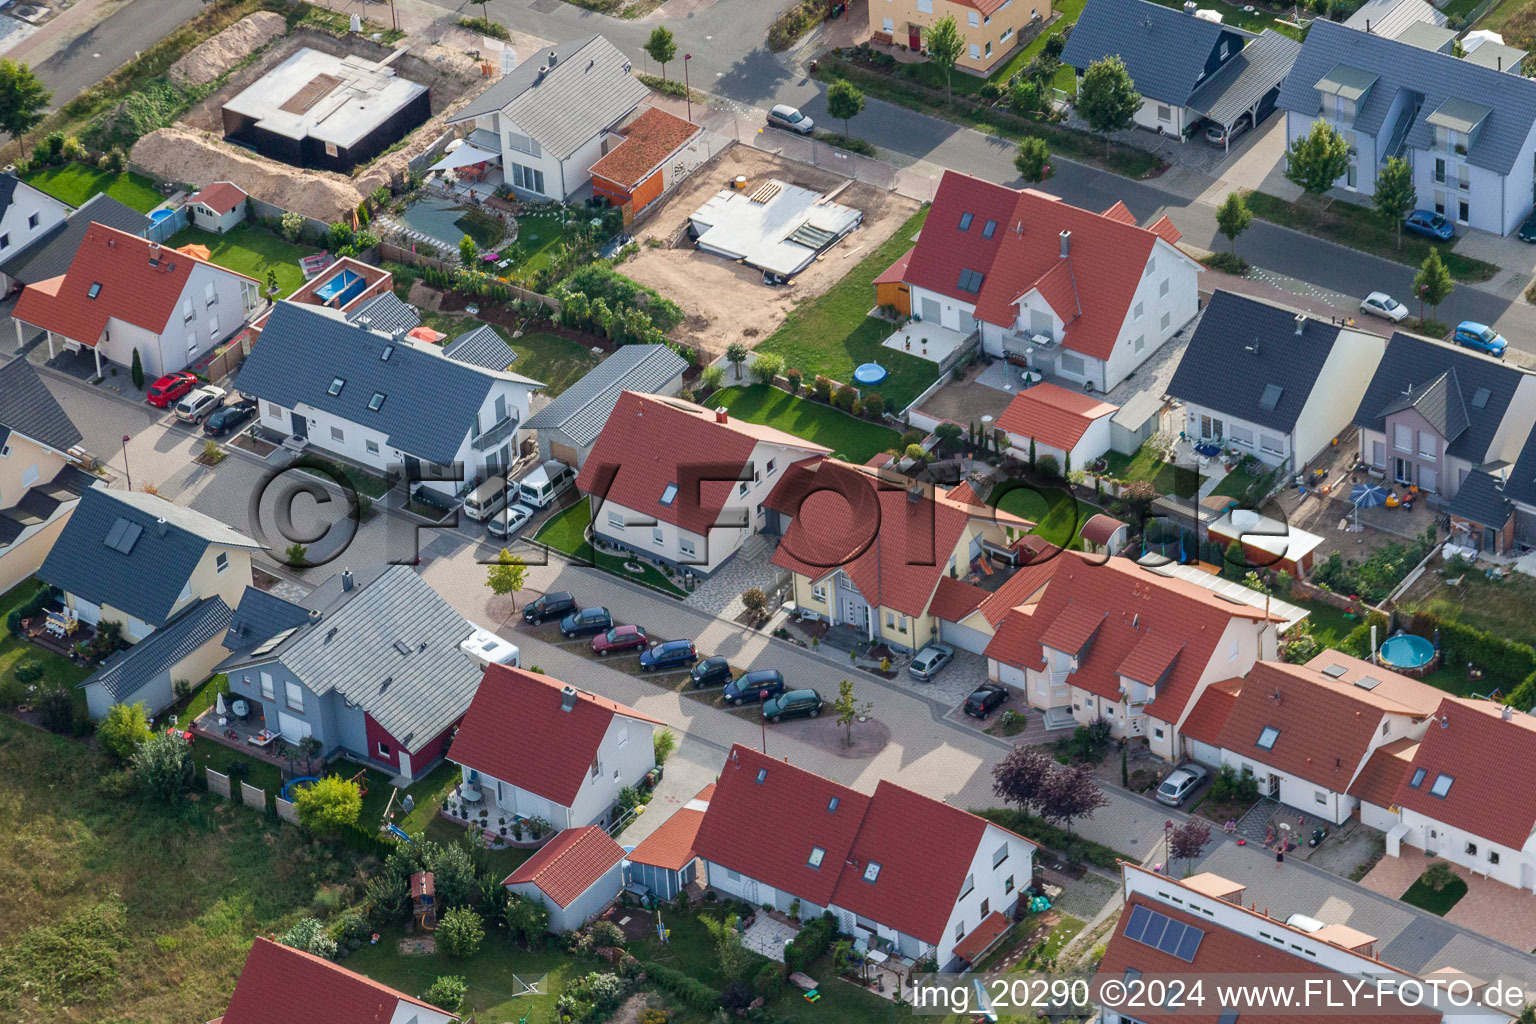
{"x": 1152, "y": 655}
{"x": 510, "y": 706}
{"x": 1121, "y": 213}
{"x": 895, "y": 550}
{"x": 569, "y": 864}
{"x": 1164, "y": 228}
{"x": 650, "y": 442}
{"x": 1093, "y": 296}
{"x": 670, "y": 847}
{"x": 984, "y": 936}
{"x": 1210, "y": 712}
{"x": 1100, "y": 528}
{"x": 896, "y": 272}
{"x": 1384, "y": 772}
{"x": 648, "y": 141}
{"x": 955, "y": 599}
{"x": 1472, "y": 743}
{"x": 1392, "y": 685}
{"x": 309, "y": 990}
{"x": 1326, "y": 727}
{"x": 1026, "y": 582}
{"x": 964, "y": 493}
{"x": 1053, "y": 415}
{"x": 221, "y": 196}
{"x": 132, "y": 288}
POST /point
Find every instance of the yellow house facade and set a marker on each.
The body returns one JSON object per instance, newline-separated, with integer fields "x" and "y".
{"x": 992, "y": 29}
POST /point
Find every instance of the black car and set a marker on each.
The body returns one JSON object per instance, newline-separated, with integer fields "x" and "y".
{"x": 227, "y": 419}
{"x": 1527, "y": 232}
{"x": 794, "y": 704}
{"x": 985, "y": 700}
{"x": 587, "y": 622}
{"x": 750, "y": 686}
{"x": 556, "y": 605}
{"x": 710, "y": 672}
{"x": 668, "y": 654}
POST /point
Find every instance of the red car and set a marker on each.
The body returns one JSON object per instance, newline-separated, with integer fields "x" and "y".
{"x": 619, "y": 638}
{"x": 168, "y": 390}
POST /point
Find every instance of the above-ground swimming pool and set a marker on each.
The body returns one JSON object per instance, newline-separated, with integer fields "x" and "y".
{"x": 341, "y": 289}
{"x": 869, "y": 374}
{"x": 161, "y": 214}
{"x": 1407, "y": 653}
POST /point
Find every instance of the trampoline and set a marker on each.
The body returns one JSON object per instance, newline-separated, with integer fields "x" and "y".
{"x": 1408, "y": 653}
{"x": 869, "y": 374}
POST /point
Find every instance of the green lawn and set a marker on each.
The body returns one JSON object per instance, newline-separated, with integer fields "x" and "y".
{"x": 251, "y": 250}
{"x": 75, "y": 183}
{"x": 1233, "y": 14}
{"x": 59, "y": 673}
{"x": 1438, "y": 903}
{"x": 1165, "y": 477}
{"x": 1239, "y": 483}
{"x": 539, "y": 236}
{"x": 1069, "y": 10}
{"x": 833, "y": 333}
{"x": 1056, "y": 515}
{"x": 555, "y": 361}
{"x": 1327, "y": 624}
{"x": 853, "y": 440}
{"x": 564, "y": 532}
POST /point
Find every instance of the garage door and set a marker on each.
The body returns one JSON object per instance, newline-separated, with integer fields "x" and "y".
{"x": 963, "y": 637}
{"x": 293, "y": 729}
{"x": 1204, "y": 752}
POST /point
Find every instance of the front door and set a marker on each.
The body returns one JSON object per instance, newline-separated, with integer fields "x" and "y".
{"x": 405, "y": 764}
{"x": 1274, "y": 787}
{"x": 915, "y": 37}
{"x": 300, "y": 425}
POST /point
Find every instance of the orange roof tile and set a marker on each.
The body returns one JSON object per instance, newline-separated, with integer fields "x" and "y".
{"x": 1152, "y": 656}
{"x": 222, "y": 196}
{"x": 569, "y": 864}
{"x": 1383, "y": 681}
{"x": 309, "y": 989}
{"x": 1384, "y": 772}
{"x": 1120, "y": 212}
{"x": 670, "y": 847}
{"x": 894, "y": 273}
{"x": 1210, "y": 712}
{"x": 954, "y": 599}
{"x": 1053, "y": 415}
{"x": 984, "y": 936}
{"x": 648, "y": 141}
{"x": 1165, "y": 229}
{"x": 963, "y": 492}
{"x": 1026, "y": 582}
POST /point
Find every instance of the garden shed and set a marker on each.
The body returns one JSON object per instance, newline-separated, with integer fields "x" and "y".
{"x": 665, "y": 863}
{"x": 577, "y": 874}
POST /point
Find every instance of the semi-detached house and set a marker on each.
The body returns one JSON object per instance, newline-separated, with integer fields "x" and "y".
{"x": 27, "y": 213}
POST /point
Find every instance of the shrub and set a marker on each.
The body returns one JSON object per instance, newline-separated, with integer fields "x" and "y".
{"x": 690, "y": 991}
{"x": 1026, "y": 96}
{"x": 1233, "y": 787}
{"x": 1437, "y": 876}
{"x": 1227, "y": 263}
{"x": 793, "y": 378}
{"x": 606, "y": 933}
{"x": 460, "y": 932}
{"x": 813, "y": 939}
{"x": 310, "y": 936}
{"x": 1048, "y": 467}
{"x": 712, "y": 377}
{"x": 28, "y": 670}
{"x": 163, "y": 765}
{"x": 447, "y": 992}
{"x": 57, "y": 713}
{"x": 846, "y": 396}
{"x": 663, "y": 744}
{"x": 291, "y": 226}
{"x": 767, "y": 366}
{"x": 874, "y": 406}
{"x": 1054, "y": 45}
{"x": 822, "y": 387}
{"x": 329, "y": 805}
{"x": 795, "y": 22}
{"x": 114, "y": 160}
{"x": 755, "y": 600}
{"x": 124, "y": 728}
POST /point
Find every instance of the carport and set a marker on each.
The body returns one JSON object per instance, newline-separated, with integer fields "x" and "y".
{"x": 1248, "y": 84}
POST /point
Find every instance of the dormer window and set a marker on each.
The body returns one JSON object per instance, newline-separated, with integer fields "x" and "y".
{"x": 95, "y": 290}
{"x": 336, "y": 385}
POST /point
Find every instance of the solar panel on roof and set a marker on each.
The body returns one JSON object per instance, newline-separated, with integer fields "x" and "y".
{"x": 1163, "y": 933}
{"x": 115, "y": 534}
{"x": 123, "y": 539}
{"x": 1136, "y": 927}
{"x": 268, "y": 646}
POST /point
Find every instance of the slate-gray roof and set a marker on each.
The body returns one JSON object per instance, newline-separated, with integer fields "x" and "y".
{"x": 51, "y": 253}
{"x": 388, "y": 313}
{"x": 1482, "y": 500}
{"x": 1414, "y": 363}
{"x": 590, "y": 88}
{"x": 260, "y": 616}
{"x": 1390, "y": 17}
{"x": 429, "y": 402}
{"x": 481, "y": 347}
{"x": 1434, "y": 76}
{"x": 390, "y": 646}
{"x": 1427, "y": 37}
{"x": 1242, "y": 347}
{"x": 42, "y": 500}
{"x": 127, "y": 671}
{"x": 1165, "y": 50}
{"x": 146, "y": 580}
{"x": 1245, "y": 79}
{"x": 8, "y": 183}
{"x": 27, "y": 407}
{"x": 582, "y": 409}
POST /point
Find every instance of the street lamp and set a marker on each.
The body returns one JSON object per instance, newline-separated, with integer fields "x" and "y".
{"x": 687, "y": 89}
{"x": 126, "y": 471}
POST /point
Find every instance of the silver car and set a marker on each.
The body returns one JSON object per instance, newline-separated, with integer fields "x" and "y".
{"x": 509, "y": 520}
{"x": 927, "y": 662}
{"x": 199, "y": 402}
{"x": 1385, "y": 306}
{"x": 1180, "y": 782}
{"x": 790, "y": 119}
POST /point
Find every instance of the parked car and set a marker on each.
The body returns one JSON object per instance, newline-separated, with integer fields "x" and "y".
{"x": 751, "y": 685}
{"x": 790, "y": 119}
{"x": 544, "y": 483}
{"x": 985, "y": 699}
{"x": 1471, "y": 334}
{"x": 620, "y": 638}
{"x": 487, "y": 499}
{"x": 168, "y": 389}
{"x": 509, "y": 520}
{"x": 710, "y": 672}
{"x": 929, "y": 661}
{"x": 669, "y": 654}
{"x": 1431, "y": 225}
{"x": 1385, "y": 306}
{"x": 199, "y": 403}
{"x": 1527, "y": 232}
{"x": 586, "y": 622}
{"x": 1180, "y": 782}
{"x": 794, "y": 704}
{"x": 229, "y": 418}
{"x": 555, "y": 605}
{"x": 1216, "y": 135}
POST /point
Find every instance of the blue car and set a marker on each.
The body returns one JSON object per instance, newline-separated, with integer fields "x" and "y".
{"x": 671, "y": 654}
{"x": 1471, "y": 334}
{"x": 1431, "y": 225}
{"x": 754, "y": 686}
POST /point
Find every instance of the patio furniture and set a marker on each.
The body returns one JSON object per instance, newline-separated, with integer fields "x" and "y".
{"x": 262, "y": 739}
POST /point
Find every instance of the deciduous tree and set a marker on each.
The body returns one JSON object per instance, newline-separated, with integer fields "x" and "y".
{"x": 1070, "y": 793}
{"x": 1432, "y": 284}
{"x": 1395, "y": 197}
{"x": 1033, "y": 160}
{"x": 736, "y": 353}
{"x": 1317, "y": 159}
{"x": 1188, "y": 840}
{"x": 945, "y": 45}
{"x": 848, "y": 710}
{"x": 506, "y": 575}
{"x": 329, "y": 805}
{"x": 23, "y": 98}
{"x": 1107, "y": 97}
{"x": 845, "y": 101}
{"x": 661, "y": 47}
{"x": 1021, "y": 777}
{"x": 124, "y": 728}
{"x": 1233, "y": 217}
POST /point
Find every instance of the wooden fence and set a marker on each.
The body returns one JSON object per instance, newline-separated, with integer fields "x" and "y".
{"x": 218, "y": 783}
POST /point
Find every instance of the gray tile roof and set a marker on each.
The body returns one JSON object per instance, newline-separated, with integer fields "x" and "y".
{"x": 1390, "y": 17}
{"x": 260, "y": 616}
{"x": 1245, "y": 79}
{"x": 590, "y": 88}
{"x": 126, "y": 671}
{"x": 51, "y": 253}
{"x": 1435, "y": 77}
{"x": 1427, "y": 37}
{"x": 1481, "y": 499}
{"x": 583, "y": 408}
{"x": 8, "y": 183}
{"x": 1243, "y": 346}
{"x": 391, "y": 646}
{"x": 429, "y": 404}
{"x": 27, "y": 407}
{"x": 146, "y": 580}
{"x": 388, "y": 313}
{"x": 1413, "y": 364}
{"x": 481, "y": 347}
{"x": 1165, "y": 50}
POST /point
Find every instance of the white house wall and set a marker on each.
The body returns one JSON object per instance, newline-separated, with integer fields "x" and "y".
{"x": 623, "y": 757}
{"x": 1337, "y": 392}
{"x": 991, "y": 886}
{"x": 1515, "y": 868}
{"x": 1179, "y": 306}
{"x": 27, "y": 202}
{"x": 1245, "y": 428}
{"x": 182, "y": 341}
{"x": 1242, "y": 643}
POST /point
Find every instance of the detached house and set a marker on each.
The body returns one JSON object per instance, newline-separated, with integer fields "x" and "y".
{"x": 39, "y": 483}
{"x": 992, "y": 29}
{"x": 588, "y": 748}
{"x": 1468, "y": 131}
{"x": 548, "y": 120}
{"x": 124, "y": 294}
{"x": 904, "y": 872}
{"x": 569, "y": 425}
{"x": 50, "y": 253}
{"x": 27, "y": 213}
{"x": 1127, "y": 644}
{"x": 387, "y": 401}
{"x": 370, "y": 666}
{"x": 1272, "y": 381}
{"x": 1085, "y": 296}
{"x": 313, "y": 990}
{"x": 683, "y": 485}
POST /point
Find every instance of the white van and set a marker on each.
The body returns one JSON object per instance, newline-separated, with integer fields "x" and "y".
{"x": 545, "y": 483}
{"x": 487, "y": 499}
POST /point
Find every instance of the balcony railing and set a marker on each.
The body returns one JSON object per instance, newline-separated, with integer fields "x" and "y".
{"x": 495, "y": 434}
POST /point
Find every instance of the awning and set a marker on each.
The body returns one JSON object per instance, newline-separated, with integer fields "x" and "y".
{"x": 463, "y": 157}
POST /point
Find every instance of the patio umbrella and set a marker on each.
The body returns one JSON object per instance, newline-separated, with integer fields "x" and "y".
{"x": 196, "y": 251}
{"x": 218, "y": 704}
{"x": 1368, "y": 495}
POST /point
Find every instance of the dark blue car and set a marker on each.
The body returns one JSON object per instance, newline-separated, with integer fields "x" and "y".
{"x": 752, "y": 686}
{"x": 587, "y": 622}
{"x": 670, "y": 654}
{"x": 1431, "y": 225}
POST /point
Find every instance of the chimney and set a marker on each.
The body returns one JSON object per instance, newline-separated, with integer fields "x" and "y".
{"x": 400, "y": 333}
{"x": 721, "y": 416}
{"x": 915, "y": 493}
{"x": 1190, "y": 7}
{"x": 1066, "y": 244}
{"x": 1301, "y": 323}
{"x": 1507, "y": 713}
{"x": 1374, "y": 661}
{"x": 567, "y": 698}
{"x": 160, "y": 526}
{"x": 346, "y": 580}
{"x": 553, "y": 57}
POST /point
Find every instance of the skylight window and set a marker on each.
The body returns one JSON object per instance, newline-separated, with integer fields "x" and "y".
{"x": 832, "y": 804}
{"x": 989, "y": 229}
{"x": 1418, "y": 778}
{"x": 95, "y": 290}
{"x": 872, "y": 871}
{"x": 1271, "y": 396}
{"x": 1480, "y": 398}
{"x": 817, "y": 855}
{"x": 970, "y": 281}
{"x": 336, "y": 385}
{"x": 965, "y": 221}
{"x": 1267, "y": 738}
{"x": 376, "y": 402}
{"x": 1442, "y": 785}
{"x": 762, "y": 773}
{"x": 669, "y": 495}
{"x": 389, "y": 350}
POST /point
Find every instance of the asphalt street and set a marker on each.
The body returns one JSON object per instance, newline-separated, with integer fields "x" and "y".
{"x": 112, "y": 42}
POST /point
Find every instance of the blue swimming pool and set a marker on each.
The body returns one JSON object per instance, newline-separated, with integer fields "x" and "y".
{"x": 1407, "y": 652}
{"x": 341, "y": 289}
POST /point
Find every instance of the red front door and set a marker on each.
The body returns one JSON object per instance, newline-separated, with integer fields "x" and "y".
{"x": 915, "y": 37}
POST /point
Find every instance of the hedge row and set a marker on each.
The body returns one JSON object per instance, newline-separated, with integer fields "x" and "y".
{"x": 813, "y": 939}
{"x": 691, "y": 991}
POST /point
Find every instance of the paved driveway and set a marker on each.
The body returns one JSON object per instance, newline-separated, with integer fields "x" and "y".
{"x": 1489, "y": 907}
